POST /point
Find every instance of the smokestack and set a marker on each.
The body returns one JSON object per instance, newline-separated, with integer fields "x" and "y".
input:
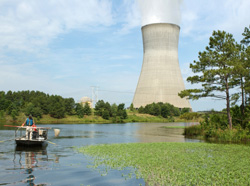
{"x": 160, "y": 79}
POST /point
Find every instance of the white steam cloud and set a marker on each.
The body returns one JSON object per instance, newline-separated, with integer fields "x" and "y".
{"x": 160, "y": 11}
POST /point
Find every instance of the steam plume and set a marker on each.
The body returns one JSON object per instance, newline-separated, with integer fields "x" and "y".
{"x": 160, "y": 11}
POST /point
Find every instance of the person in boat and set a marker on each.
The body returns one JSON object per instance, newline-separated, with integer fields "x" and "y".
{"x": 30, "y": 127}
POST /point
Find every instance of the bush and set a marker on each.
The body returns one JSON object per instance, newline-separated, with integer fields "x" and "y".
{"x": 160, "y": 109}
{"x": 190, "y": 115}
{"x": 195, "y": 130}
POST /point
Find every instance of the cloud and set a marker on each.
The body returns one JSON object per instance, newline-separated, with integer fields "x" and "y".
{"x": 25, "y": 25}
{"x": 160, "y": 11}
{"x": 129, "y": 16}
{"x": 200, "y": 18}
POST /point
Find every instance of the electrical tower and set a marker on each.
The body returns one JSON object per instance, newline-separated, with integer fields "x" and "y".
{"x": 94, "y": 95}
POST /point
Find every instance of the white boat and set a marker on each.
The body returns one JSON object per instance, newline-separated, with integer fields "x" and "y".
{"x": 38, "y": 138}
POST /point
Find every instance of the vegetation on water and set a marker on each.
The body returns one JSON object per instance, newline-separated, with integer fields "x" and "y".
{"x": 175, "y": 163}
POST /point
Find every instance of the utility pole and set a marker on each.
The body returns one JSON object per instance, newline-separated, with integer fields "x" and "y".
{"x": 94, "y": 95}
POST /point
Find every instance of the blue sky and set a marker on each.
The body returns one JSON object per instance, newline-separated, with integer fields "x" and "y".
{"x": 64, "y": 47}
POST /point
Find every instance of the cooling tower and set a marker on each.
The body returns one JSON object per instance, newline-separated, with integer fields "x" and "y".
{"x": 160, "y": 79}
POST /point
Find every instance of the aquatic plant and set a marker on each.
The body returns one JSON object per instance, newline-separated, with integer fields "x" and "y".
{"x": 176, "y": 163}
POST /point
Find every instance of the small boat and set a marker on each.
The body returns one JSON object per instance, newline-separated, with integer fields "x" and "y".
{"x": 38, "y": 138}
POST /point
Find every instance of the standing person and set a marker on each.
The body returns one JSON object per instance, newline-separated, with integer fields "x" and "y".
{"x": 30, "y": 124}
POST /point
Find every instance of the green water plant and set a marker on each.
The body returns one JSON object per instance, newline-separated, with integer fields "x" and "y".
{"x": 176, "y": 163}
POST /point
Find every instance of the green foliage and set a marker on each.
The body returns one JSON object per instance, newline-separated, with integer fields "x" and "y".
{"x": 215, "y": 127}
{"x": 131, "y": 108}
{"x": 14, "y": 114}
{"x": 221, "y": 67}
{"x": 114, "y": 109}
{"x": 195, "y": 130}
{"x": 33, "y": 110}
{"x": 105, "y": 114}
{"x": 87, "y": 110}
{"x": 56, "y": 107}
{"x": 121, "y": 111}
{"x": 106, "y": 111}
{"x": 36, "y": 103}
{"x": 79, "y": 110}
{"x": 1, "y": 114}
{"x": 175, "y": 163}
{"x": 160, "y": 109}
{"x": 69, "y": 105}
{"x": 190, "y": 115}
{"x": 185, "y": 110}
{"x": 57, "y": 111}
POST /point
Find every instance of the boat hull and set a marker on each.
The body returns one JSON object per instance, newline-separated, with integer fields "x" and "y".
{"x": 24, "y": 142}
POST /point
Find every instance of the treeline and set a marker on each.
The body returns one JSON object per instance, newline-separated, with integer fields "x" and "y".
{"x": 164, "y": 110}
{"x": 38, "y": 104}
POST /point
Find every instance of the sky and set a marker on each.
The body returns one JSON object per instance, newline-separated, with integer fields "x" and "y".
{"x": 63, "y": 47}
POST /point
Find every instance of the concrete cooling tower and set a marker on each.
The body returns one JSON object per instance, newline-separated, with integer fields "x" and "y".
{"x": 160, "y": 79}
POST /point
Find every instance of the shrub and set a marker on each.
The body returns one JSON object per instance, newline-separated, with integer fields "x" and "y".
{"x": 195, "y": 130}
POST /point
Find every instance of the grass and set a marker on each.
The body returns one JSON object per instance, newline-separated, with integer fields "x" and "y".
{"x": 175, "y": 127}
{"x": 176, "y": 163}
{"x": 218, "y": 135}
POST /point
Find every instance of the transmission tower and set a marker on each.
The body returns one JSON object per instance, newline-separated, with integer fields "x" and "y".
{"x": 94, "y": 95}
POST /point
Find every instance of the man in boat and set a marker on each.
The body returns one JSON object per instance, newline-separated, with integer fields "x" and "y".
{"x": 30, "y": 127}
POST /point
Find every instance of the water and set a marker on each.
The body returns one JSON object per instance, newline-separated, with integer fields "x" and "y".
{"x": 60, "y": 164}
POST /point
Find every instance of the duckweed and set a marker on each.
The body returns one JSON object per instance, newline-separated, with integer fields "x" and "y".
{"x": 176, "y": 163}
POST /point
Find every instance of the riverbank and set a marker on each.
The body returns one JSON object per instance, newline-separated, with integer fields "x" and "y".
{"x": 235, "y": 135}
{"x": 132, "y": 117}
{"x": 175, "y": 163}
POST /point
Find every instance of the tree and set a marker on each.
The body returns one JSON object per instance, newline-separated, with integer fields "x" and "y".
{"x": 57, "y": 110}
{"x": 14, "y": 114}
{"x": 121, "y": 111}
{"x": 69, "y": 105}
{"x": 114, "y": 110}
{"x": 103, "y": 109}
{"x": 215, "y": 67}
{"x": 87, "y": 109}
{"x": 79, "y": 110}
{"x": 105, "y": 114}
{"x": 33, "y": 110}
{"x": 131, "y": 108}
{"x": 246, "y": 63}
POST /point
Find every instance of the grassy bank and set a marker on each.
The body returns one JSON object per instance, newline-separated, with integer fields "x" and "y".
{"x": 176, "y": 163}
{"x": 218, "y": 135}
{"x": 132, "y": 117}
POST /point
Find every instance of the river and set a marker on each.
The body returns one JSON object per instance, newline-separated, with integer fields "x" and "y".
{"x": 60, "y": 164}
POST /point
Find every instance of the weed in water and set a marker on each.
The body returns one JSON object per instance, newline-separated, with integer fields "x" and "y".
{"x": 176, "y": 163}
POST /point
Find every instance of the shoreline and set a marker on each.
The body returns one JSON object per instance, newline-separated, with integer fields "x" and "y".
{"x": 132, "y": 118}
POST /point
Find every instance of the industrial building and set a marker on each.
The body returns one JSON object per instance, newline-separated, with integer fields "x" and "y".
{"x": 160, "y": 79}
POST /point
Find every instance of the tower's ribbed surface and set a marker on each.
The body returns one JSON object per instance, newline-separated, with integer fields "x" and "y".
{"x": 160, "y": 79}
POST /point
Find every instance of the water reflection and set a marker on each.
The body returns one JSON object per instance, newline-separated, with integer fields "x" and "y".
{"x": 157, "y": 132}
{"x": 28, "y": 158}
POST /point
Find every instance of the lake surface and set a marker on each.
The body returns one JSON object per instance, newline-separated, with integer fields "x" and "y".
{"x": 61, "y": 164}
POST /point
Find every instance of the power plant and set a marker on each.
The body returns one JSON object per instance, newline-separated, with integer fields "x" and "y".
{"x": 160, "y": 79}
